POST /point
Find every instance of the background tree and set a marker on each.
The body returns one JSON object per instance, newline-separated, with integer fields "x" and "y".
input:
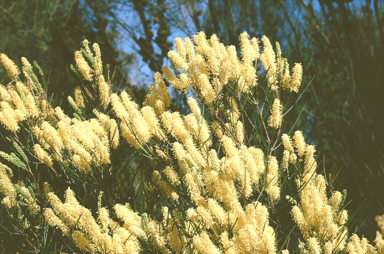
{"x": 50, "y": 31}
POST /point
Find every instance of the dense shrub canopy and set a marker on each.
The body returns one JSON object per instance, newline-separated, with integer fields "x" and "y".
{"x": 214, "y": 169}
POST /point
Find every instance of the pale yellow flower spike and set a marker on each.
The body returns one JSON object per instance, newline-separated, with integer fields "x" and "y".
{"x": 104, "y": 90}
{"x": 164, "y": 93}
{"x": 276, "y": 116}
{"x": 379, "y": 240}
{"x": 204, "y": 245}
{"x": 172, "y": 176}
{"x": 9, "y": 117}
{"x": 114, "y": 134}
{"x": 4, "y": 94}
{"x": 180, "y": 48}
{"x": 31, "y": 103}
{"x": 26, "y": 63}
{"x": 158, "y": 97}
{"x": 268, "y": 60}
{"x": 192, "y": 125}
{"x": 213, "y": 61}
{"x": 166, "y": 120}
{"x": 285, "y": 161}
{"x": 214, "y": 41}
{"x": 206, "y": 89}
{"x": 131, "y": 107}
{"x": 43, "y": 155}
{"x": 225, "y": 73}
{"x": 287, "y": 143}
{"x": 79, "y": 99}
{"x": 380, "y": 222}
{"x": 297, "y": 76}
{"x": 272, "y": 180}
{"x": 19, "y": 105}
{"x": 248, "y": 56}
{"x": 87, "y": 49}
{"x": 185, "y": 81}
{"x": 10, "y": 66}
{"x": 177, "y": 60}
{"x": 97, "y": 60}
{"x": 81, "y": 241}
{"x": 202, "y": 46}
{"x": 54, "y": 221}
{"x": 234, "y": 60}
{"x": 153, "y": 123}
{"x": 240, "y": 131}
{"x": 292, "y": 158}
{"x": 229, "y": 146}
{"x": 176, "y": 83}
{"x": 7, "y": 187}
{"x": 129, "y": 217}
{"x": 193, "y": 188}
{"x": 133, "y": 126}
{"x": 194, "y": 152}
{"x": 205, "y": 217}
{"x": 178, "y": 127}
{"x": 81, "y": 164}
{"x": 298, "y": 217}
{"x": 118, "y": 107}
{"x": 358, "y": 246}
{"x": 217, "y": 130}
{"x": 194, "y": 106}
{"x": 203, "y": 66}
{"x": 309, "y": 161}
{"x": 217, "y": 211}
{"x": 299, "y": 143}
{"x": 51, "y": 135}
{"x": 279, "y": 60}
{"x": 235, "y": 112}
{"x": 104, "y": 219}
{"x": 190, "y": 49}
{"x": 314, "y": 246}
{"x": 83, "y": 66}
{"x": 256, "y": 47}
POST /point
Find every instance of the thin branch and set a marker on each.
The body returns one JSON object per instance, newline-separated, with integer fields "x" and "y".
{"x": 297, "y": 39}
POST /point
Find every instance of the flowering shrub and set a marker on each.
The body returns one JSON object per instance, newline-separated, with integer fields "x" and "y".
{"x": 212, "y": 169}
